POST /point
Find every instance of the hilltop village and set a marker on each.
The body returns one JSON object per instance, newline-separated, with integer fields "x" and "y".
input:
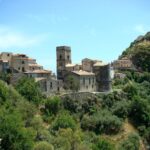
{"x": 87, "y": 76}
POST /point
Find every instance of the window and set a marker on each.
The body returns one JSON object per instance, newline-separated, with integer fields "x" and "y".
{"x": 68, "y": 57}
{"x": 23, "y": 70}
{"x": 51, "y": 85}
{"x": 8, "y": 55}
{"x": 18, "y": 68}
{"x": 23, "y": 62}
{"x": 60, "y": 57}
{"x": 93, "y": 80}
{"x": 58, "y": 89}
{"x": 45, "y": 86}
{"x": 83, "y": 81}
{"x": 89, "y": 80}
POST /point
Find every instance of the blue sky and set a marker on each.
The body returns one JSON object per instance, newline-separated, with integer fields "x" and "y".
{"x": 99, "y": 29}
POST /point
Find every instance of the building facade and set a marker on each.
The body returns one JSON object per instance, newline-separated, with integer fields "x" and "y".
{"x": 83, "y": 72}
{"x": 63, "y": 58}
{"x": 123, "y": 63}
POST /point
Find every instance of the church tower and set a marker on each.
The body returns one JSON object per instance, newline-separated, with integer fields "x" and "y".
{"x": 63, "y": 58}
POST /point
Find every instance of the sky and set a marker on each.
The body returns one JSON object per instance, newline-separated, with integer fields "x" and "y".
{"x": 97, "y": 29}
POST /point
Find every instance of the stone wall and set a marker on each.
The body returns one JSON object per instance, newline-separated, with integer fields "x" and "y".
{"x": 78, "y": 95}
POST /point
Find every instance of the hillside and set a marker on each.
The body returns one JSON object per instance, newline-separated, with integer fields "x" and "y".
{"x": 116, "y": 121}
{"x": 139, "y": 52}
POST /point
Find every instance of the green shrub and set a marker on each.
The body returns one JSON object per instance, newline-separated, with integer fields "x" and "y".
{"x": 52, "y": 105}
{"x": 64, "y": 120}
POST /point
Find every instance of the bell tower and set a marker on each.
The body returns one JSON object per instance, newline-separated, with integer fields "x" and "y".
{"x": 63, "y": 58}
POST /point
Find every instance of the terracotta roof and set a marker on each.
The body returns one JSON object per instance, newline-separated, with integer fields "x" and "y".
{"x": 36, "y": 65}
{"x": 20, "y": 55}
{"x": 39, "y": 71}
{"x": 79, "y": 64}
{"x": 70, "y": 65}
{"x": 124, "y": 58}
{"x": 83, "y": 73}
{"x": 100, "y": 64}
{"x": 39, "y": 79}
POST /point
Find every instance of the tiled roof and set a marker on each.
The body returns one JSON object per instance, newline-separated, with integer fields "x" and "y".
{"x": 39, "y": 71}
{"x": 100, "y": 64}
{"x": 39, "y": 79}
{"x": 70, "y": 65}
{"x": 83, "y": 73}
{"x": 35, "y": 65}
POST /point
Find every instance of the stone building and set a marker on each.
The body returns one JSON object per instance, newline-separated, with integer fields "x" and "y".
{"x": 123, "y": 63}
{"x": 63, "y": 58}
{"x": 38, "y": 73}
{"x": 21, "y": 65}
{"x": 6, "y": 57}
{"x": 4, "y": 65}
{"x": 20, "y": 62}
{"x": 50, "y": 86}
{"x": 87, "y": 64}
{"x": 103, "y": 77}
{"x": 86, "y": 80}
{"x": 83, "y": 72}
{"x": 91, "y": 75}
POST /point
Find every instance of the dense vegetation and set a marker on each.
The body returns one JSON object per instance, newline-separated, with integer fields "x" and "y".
{"x": 28, "y": 120}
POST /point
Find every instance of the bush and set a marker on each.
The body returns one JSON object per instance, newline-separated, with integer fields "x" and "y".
{"x": 140, "y": 112}
{"x": 28, "y": 88}
{"x": 103, "y": 144}
{"x": 64, "y": 120}
{"x": 121, "y": 109}
{"x": 102, "y": 122}
{"x": 131, "y": 90}
{"x": 52, "y": 105}
{"x": 43, "y": 146}
{"x": 13, "y": 134}
{"x": 131, "y": 143}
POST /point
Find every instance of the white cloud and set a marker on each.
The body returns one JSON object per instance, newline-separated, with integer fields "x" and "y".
{"x": 140, "y": 29}
{"x": 10, "y": 38}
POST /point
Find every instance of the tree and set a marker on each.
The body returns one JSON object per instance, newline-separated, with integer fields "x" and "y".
{"x": 43, "y": 146}
{"x": 64, "y": 120}
{"x": 71, "y": 83}
{"x": 3, "y": 92}
{"x": 131, "y": 143}
{"x": 102, "y": 122}
{"x": 141, "y": 57}
{"x": 140, "y": 112}
{"x": 28, "y": 88}
{"x": 52, "y": 105}
{"x": 121, "y": 109}
{"x": 103, "y": 144}
{"x": 131, "y": 90}
{"x": 13, "y": 133}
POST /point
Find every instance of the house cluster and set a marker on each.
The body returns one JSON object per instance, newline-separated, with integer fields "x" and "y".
{"x": 122, "y": 63}
{"x": 89, "y": 75}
